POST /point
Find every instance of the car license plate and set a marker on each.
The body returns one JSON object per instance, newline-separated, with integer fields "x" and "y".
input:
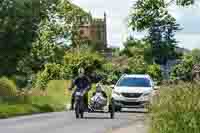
{"x": 132, "y": 100}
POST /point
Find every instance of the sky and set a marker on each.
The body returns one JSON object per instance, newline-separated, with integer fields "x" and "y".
{"x": 117, "y": 16}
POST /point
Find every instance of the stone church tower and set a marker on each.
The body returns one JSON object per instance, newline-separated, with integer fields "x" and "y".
{"x": 94, "y": 30}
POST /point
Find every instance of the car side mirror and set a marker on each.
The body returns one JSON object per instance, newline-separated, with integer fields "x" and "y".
{"x": 112, "y": 86}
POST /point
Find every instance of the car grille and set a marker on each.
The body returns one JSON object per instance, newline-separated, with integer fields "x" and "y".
{"x": 132, "y": 95}
{"x": 130, "y": 103}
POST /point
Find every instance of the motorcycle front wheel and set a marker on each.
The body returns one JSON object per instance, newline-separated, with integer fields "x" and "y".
{"x": 112, "y": 109}
{"x": 77, "y": 110}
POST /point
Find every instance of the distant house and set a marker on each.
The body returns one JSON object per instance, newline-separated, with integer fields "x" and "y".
{"x": 182, "y": 50}
{"x": 196, "y": 72}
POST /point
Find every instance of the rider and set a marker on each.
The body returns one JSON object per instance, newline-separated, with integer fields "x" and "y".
{"x": 82, "y": 82}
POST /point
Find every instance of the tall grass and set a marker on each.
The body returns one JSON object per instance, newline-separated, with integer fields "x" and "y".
{"x": 176, "y": 109}
{"x": 56, "y": 96}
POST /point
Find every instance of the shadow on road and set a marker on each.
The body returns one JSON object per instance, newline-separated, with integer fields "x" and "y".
{"x": 135, "y": 111}
{"x": 96, "y": 118}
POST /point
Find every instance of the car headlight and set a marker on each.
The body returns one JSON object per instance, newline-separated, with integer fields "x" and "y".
{"x": 145, "y": 97}
{"x": 146, "y": 94}
{"x": 117, "y": 93}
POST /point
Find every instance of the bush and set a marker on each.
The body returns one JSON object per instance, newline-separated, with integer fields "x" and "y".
{"x": 56, "y": 95}
{"x": 177, "y": 109}
{"x": 57, "y": 90}
{"x": 183, "y": 70}
{"x": 110, "y": 73}
{"x": 21, "y": 81}
{"x": 51, "y": 72}
{"x": 155, "y": 72}
{"x": 7, "y": 87}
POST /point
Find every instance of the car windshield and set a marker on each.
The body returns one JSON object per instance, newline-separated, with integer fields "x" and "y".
{"x": 134, "y": 82}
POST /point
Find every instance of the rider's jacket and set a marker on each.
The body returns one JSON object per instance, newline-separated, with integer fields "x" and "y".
{"x": 82, "y": 83}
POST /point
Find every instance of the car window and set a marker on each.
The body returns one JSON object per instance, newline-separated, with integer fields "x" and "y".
{"x": 134, "y": 82}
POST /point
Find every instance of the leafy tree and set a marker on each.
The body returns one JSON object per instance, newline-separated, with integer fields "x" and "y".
{"x": 84, "y": 58}
{"x": 183, "y": 2}
{"x": 73, "y": 17}
{"x": 51, "y": 72}
{"x": 138, "y": 47}
{"x": 57, "y": 18}
{"x": 18, "y": 23}
{"x": 25, "y": 23}
{"x": 44, "y": 50}
{"x": 132, "y": 42}
{"x": 137, "y": 65}
{"x": 131, "y": 61}
{"x": 152, "y": 15}
{"x": 140, "y": 60}
{"x": 162, "y": 40}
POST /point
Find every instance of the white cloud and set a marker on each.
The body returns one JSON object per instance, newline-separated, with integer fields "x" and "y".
{"x": 188, "y": 17}
{"x": 189, "y": 41}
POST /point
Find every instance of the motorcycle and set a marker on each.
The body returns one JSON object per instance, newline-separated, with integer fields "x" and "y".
{"x": 97, "y": 104}
{"x": 79, "y": 104}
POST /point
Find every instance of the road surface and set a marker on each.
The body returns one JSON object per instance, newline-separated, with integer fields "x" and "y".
{"x": 65, "y": 122}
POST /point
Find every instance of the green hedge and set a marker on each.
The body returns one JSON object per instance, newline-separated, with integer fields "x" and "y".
{"x": 55, "y": 100}
{"x": 37, "y": 104}
{"x": 7, "y": 110}
{"x": 177, "y": 109}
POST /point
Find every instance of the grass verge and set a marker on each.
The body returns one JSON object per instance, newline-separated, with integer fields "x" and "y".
{"x": 176, "y": 109}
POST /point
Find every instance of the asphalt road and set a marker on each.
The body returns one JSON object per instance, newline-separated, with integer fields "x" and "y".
{"x": 65, "y": 122}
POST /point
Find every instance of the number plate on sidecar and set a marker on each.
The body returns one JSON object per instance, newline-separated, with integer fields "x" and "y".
{"x": 78, "y": 94}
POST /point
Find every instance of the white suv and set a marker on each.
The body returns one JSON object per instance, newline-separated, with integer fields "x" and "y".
{"x": 132, "y": 91}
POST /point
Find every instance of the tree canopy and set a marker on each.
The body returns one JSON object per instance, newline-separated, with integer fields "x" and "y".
{"x": 183, "y": 70}
{"x": 153, "y": 16}
{"x": 31, "y": 31}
